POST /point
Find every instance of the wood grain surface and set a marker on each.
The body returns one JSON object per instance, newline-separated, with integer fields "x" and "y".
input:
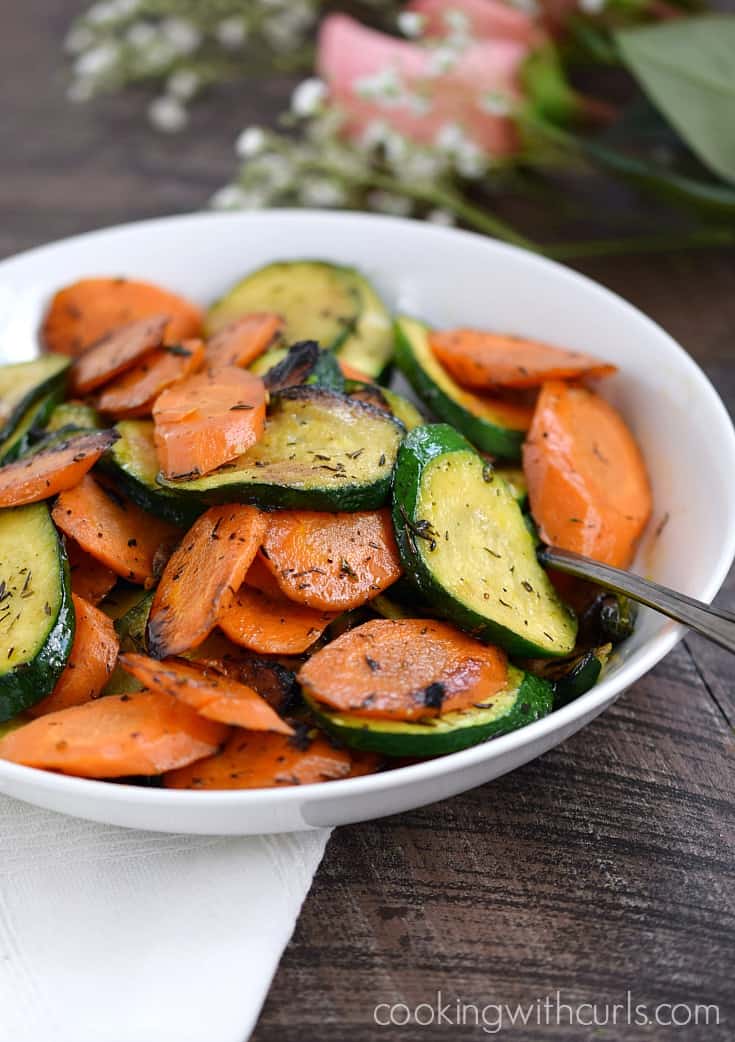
{"x": 603, "y": 868}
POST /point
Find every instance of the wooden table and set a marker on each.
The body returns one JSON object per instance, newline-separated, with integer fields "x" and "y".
{"x": 604, "y": 867}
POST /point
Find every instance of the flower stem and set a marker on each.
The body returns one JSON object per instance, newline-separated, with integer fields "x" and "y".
{"x": 698, "y": 239}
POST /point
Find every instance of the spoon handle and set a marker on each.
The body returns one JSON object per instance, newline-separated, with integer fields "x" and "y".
{"x": 717, "y": 626}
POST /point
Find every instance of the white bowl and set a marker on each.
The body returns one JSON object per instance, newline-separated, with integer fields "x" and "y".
{"x": 450, "y": 278}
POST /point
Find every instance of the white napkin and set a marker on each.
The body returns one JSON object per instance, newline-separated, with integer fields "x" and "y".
{"x": 111, "y": 935}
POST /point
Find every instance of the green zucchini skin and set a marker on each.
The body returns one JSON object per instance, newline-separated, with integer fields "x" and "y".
{"x": 24, "y": 383}
{"x": 573, "y": 676}
{"x": 33, "y": 675}
{"x": 133, "y": 462}
{"x": 418, "y": 540}
{"x": 439, "y": 392}
{"x": 26, "y": 430}
{"x": 329, "y": 430}
{"x": 527, "y": 699}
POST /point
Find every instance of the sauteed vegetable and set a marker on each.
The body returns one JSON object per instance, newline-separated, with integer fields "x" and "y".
{"x": 232, "y": 557}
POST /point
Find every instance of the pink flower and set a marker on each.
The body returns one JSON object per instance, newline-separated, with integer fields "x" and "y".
{"x": 486, "y": 19}
{"x": 418, "y": 91}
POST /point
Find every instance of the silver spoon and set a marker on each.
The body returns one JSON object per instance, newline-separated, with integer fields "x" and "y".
{"x": 717, "y": 626}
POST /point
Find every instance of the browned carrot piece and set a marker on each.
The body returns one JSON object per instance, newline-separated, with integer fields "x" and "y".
{"x": 202, "y": 576}
{"x": 587, "y": 482}
{"x": 134, "y": 393}
{"x": 116, "y": 352}
{"x": 209, "y": 692}
{"x": 260, "y": 577}
{"x": 55, "y": 470}
{"x": 240, "y": 342}
{"x": 276, "y": 684}
{"x": 207, "y": 420}
{"x": 404, "y": 669}
{"x": 90, "y": 579}
{"x": 490, "y": 360}
{"x": 332, "y": 562}
{"x": 82, "y": 313}
{"x": 144, "y": 732}
{"x": 115, "y": 531}
{"x": 92, "y": 660}
{"x": 272, "y": 626}
{"x": 264, "y": 761}
{"x": 364, "y": 763}
{"x": 350, "y": 372}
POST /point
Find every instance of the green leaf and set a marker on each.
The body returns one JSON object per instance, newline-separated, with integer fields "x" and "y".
{"x": 687, "y": 68}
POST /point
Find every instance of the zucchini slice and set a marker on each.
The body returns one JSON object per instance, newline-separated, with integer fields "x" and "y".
{"x": 24, "y": 383}
{"x": 573, "y": 676}
{"x": 465, "y": 545}
{"x": 305, "y": 363}
{"x": 318, "y": 301}
{"x": 30, "y": 423}
{"x": 515, "y": 479}
{"x": 487, "y": 426}
{"x": 134, "y": 462}
{"x": 36, "y": 611}
{"x": 320, "y": 451}
{"x": 525, "y": 699}
{"x": 75, "y": 416}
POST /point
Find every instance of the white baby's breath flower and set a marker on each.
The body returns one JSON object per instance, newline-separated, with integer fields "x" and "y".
{"x": 141, "y": 35}
{"x": 470, "y": 161}
{"x": 78, "y": 39}
{"x": 231, "y": 32}
{"x": 250, "y": 142}
{"x": 274, "y": 172}
{"x": 100, "y": 14}
{"x": 375, "y": 134}
{"x": 227, "y": 198}
{"x": 442, "y": 59}
{"x": 411, "y": 23}
{"x": 167, "y": 114}
{"x": 384, "y": 85}
{"x": 321, "y": 192}
{"x": 495, "y": 103}
{"x": 389, "y": 202}
{"x": 308, "y": 97}
{"x": 396, "y": 148}
{"x": 181, "y": 34}
{"x": 424, "y": 166}
{"x": 183, "y": 84}
{"x": 592, "y": 6}
{"x": 420, "y": 104}
{"x": 282, "y": 32}
{"x": 456, "y": 21}
{"x": 449, "y": 137}
{"x": 441, "y": 217}
{"x": 95, "y": 63}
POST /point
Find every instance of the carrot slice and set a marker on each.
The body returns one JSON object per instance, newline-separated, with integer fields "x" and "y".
{"x": 144, "y": 732}
{"x": 587, "y": 482}
{"x": 202, "y": 576}
{"x": 134, "y": 393}
{"x": 260, "y": 577}
{"x": 240, "y": 342}
{"x": 89, "y": 309}
{"x": 332, "y": 562}
{"x": 209, "y": 692}
{"x": 90, "y": 579}
{"x": 350, "y": 372}
{"x": 276, "y": 684}
{"x": 404, "y": 669}
{"x": 114, "y": 530}
{"x": 264, "y": 761}
{"x": 488, "y": 360}
{"x": 55, "y": 470}
{"x": 207, "y": 420}
{"x": 115, "y": 353}
{"x": 92, "y": 660}
{"x": 363, "y": 763}
{"x": 272, "y": 626}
